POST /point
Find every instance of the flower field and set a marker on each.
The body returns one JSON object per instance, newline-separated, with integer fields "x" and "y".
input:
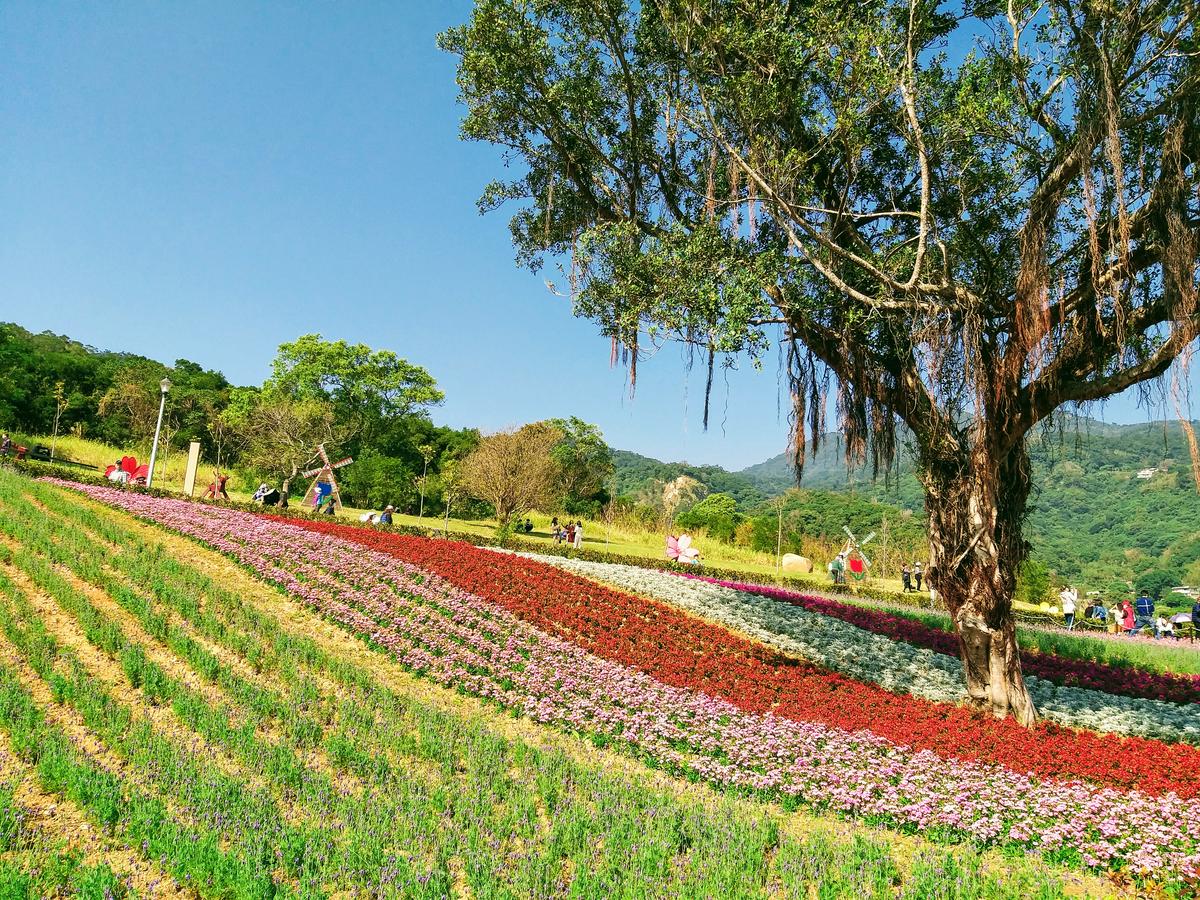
{"x": 174, "y": 727}
{"x": 212, "y": 718}
{"x": 1114, "y": 679}
{"x": 716, "y": 705}
{"x": 814, "y": 632}
{"x": 686, "y": 652}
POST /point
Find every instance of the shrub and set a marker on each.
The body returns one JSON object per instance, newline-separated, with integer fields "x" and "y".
{"x": 717, "y": 514}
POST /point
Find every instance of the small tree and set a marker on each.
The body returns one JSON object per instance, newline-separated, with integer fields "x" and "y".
{"x": 427, "y": 452}
{"x": 514, "y": 470}
{"x": 132, "y": 402}
{"x": 61, "y": 402}
{"x": 452, "y": 488}
{"x": 717, "y": 514}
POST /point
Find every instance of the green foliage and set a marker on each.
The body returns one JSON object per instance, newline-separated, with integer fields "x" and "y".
{"x": 31, "y": 366}
{"x": 717, "y": 514}
{"x": 1091, "y": 521}
{"x": 1033, "y": 582}
{"x": 374, "y": 481}
{"x": 767, "y": 534}
{"x": 364, "y": 386}
{"x": 586, "y": 463}
{"x": 1155, "y": 582}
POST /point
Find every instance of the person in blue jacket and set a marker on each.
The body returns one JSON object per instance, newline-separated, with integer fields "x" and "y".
{"x": 1143, "y": 614}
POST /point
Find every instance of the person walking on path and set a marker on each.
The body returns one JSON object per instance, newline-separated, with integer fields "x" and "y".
{"x": 5, "y": 445}
{"x": 1143, "y": 614}
{"x": 1069, "y": 596}
{"x": 918, "y": 574}
{"x": 578, "y": 539}
{"x": 906, "y": 578}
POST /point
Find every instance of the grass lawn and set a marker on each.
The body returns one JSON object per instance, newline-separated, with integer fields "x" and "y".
{"x": 598, "y": 535}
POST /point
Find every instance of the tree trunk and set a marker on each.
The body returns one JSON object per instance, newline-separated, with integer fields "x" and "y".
{"x": 976, "y": 504}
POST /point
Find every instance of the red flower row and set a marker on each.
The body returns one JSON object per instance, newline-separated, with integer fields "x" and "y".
{"x": 1128, "y": 681}
{"x": 686, "y": 652}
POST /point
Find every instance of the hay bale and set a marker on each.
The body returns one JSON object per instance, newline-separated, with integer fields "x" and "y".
{"x": 795, "y": 563}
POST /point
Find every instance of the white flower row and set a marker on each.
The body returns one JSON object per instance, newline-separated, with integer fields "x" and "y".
{"x": 891, "y": 664}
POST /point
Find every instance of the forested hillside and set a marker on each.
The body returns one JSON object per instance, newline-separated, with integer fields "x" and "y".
{"x": 639, "y": 476}
{"x": 1092, "y": 518}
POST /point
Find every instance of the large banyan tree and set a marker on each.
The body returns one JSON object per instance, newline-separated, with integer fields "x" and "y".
{"x": 957, "y": 218}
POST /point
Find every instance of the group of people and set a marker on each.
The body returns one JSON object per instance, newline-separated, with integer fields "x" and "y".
{"x": 1133, "y": 617}
{"x": 268, "y": 495}
{"x": 383, "y": 518}
{"x": 1127, "y": 617}
{"x": 570, "y": 532}
{"x": 911, "y": 577}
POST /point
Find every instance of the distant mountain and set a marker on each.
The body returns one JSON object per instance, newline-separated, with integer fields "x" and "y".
{"x": 827, "y": 469}
{"x": 1108, "y": 503}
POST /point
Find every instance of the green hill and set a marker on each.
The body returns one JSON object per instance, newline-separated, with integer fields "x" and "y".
{"x": 638, "y": 475}
{"x": 1092, "y": 519}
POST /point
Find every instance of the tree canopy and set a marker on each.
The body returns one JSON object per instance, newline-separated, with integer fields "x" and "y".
{"x": 958, "y": 243}
{"x": 585, "y": 463}
{"x": 365, "y": 387}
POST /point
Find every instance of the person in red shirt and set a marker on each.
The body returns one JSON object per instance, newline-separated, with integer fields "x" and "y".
{"x": 217, "y": 486}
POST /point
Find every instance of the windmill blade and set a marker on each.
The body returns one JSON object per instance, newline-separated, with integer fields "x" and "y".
{"x": 342, "y": 462}
{"x": 866, "y": 540}
{"x": 311, "y": 472}
{"x": 849, "y": 533}
{"x": 863, "y": 557}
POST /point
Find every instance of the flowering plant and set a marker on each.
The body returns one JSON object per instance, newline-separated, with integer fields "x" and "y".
{"x": 1126, "y": 680}
{"x": 685, "y": 652}
{"x": 893, "y": 664}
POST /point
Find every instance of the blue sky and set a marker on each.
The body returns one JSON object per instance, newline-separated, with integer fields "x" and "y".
{"x": 208, "y": 180}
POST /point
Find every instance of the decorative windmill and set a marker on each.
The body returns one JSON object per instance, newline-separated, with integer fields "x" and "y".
{"x": 857, "y": 561}
{"x": 323, "y": 475}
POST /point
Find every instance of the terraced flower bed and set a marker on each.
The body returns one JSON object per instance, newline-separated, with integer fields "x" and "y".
{"x": 461, "y": 639}
{"x": 171, "y": 725}
{"x": 544, "y": 643}
{"x": 686, "y": 652}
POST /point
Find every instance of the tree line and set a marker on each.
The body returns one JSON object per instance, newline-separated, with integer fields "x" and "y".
{"x": 366, "y": 403}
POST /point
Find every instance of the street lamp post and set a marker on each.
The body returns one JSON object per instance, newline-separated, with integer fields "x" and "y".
{"x": 165, "y": 384}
